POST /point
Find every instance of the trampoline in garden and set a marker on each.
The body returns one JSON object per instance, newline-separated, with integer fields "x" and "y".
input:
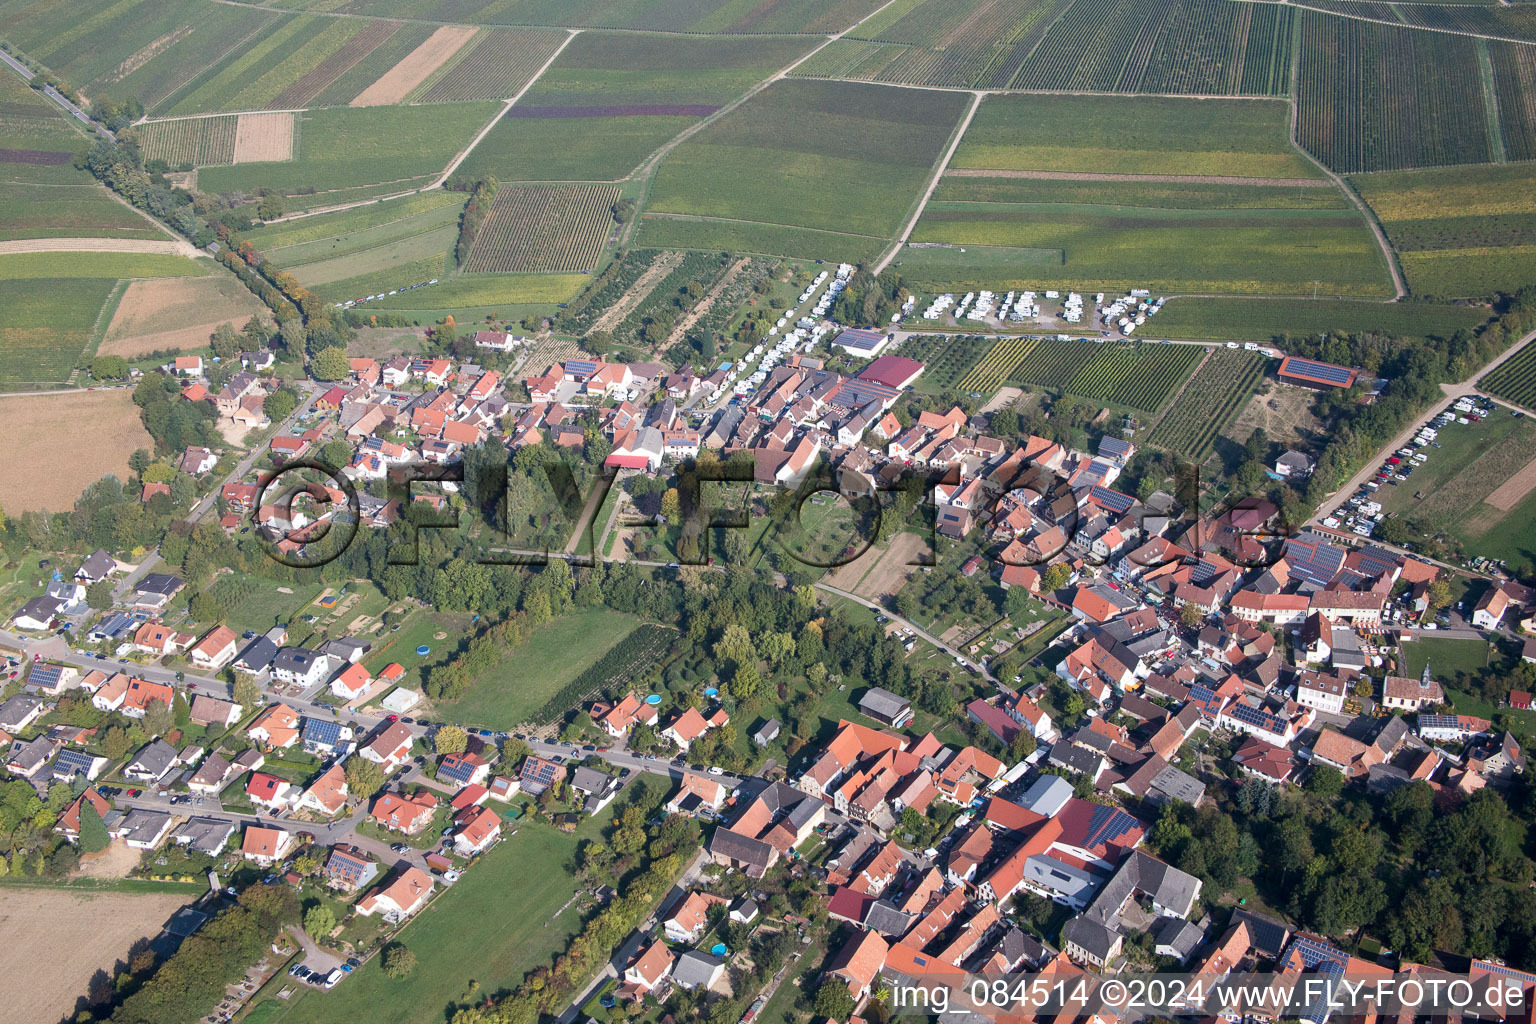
{"x": 423, "y": 651}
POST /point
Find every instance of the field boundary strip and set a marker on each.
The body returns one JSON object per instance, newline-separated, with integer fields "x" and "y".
{"x": 937, "y": 174}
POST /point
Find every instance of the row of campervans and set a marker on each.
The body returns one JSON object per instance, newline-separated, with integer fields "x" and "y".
{"x": 1129, "y": 312}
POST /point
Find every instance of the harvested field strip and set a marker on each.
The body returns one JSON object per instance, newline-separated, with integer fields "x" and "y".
{"x": 544, "y": 230}
{"x": 625, "y": 110}
{"x": 79, "y": 933}
{"x": 261, "y": 138}
{"x": 175, "y": 313}
{"x": 160, "y": 246}
{"x": 399, "y": 81}
{"x": 198, "y": 141}
{"x": 497, "y": 66}
{"x": 314, "y": 81}
{"x": 1209, "y": 402}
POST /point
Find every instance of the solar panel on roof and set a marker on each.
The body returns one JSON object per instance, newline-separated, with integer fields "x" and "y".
{"x": 1114, "y": 501}
{"x": 318, "y": 730}
{"x": 45, "y": 675}
{"x": 1109, "y": 824}
{"x": 1327, "y": 372}
{"x": 1250, "y": 715}
{"x": 73, "y": 760}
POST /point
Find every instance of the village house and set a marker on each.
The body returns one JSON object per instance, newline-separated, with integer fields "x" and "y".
{"x": 265, "y": 846}
{"x": 403, "y": 896}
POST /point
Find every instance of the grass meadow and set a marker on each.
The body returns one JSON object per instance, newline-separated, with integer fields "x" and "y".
{"x": 506, "y": 916}
{"x": 556, "y": 653}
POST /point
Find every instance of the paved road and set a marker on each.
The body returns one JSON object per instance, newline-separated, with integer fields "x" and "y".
{"x": 27, "y": 75}
{"x": 1452, "y": 393}
{"x": 208, "y": 501}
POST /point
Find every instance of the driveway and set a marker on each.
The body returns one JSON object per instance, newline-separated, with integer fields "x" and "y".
{"x": 315, "y": 958}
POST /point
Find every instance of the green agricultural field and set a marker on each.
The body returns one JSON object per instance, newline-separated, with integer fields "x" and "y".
{"x": 151, "y": 49}
{"x": 285, "y": 67}
{"x": 963, "y": 187}
{"x": 624, "y": 69}
{"x": 392, "y": 275}
{"x": 1461, "y": 232}
{"x": 556, "y": 653}
{"x": 1477, "y": 488}
{"x": 272, "y": 238}
{"x": 1133, "y": 135}
{"x": 1214, "y": 397}
{"x": 1164, "y": 46}
{"x": 46, "y": 323}
{"x": 1516, "y": 379}
{"x": 68, "y": 211}
{"x": 949, "y": 43}
{"x": 22, "y": 266}
{"x": 506, "y": 916}
{"x": 589, "y": 148}
{"x": 609, "y": 101}
{"x": 724, "y": 16}
{"x": 1374, "y": 97}
{"x": 37, "y": 142}
{"x": 665, "y": 232}
{"x": 1266, "y": 319}
{"x": 1210, "y": 249}
{"x": 343, "y": 148}
{"x": 381, "y": 259}
{"x": 826, "y": 155}
{"x": 384, "y": 235}
{"x": 494, "y": 291}
{"x": 495, "y": 65}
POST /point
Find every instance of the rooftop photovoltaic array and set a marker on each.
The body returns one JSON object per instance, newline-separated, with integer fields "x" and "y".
{"x": 1323, "y": 373}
